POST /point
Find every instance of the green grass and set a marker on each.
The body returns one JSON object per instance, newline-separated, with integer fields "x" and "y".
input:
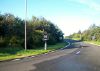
{"x": 93, "y": 42}
{"x": 12, "y": 53}
{"x": 76, "y": 38}
{"x": 57, "y": 46}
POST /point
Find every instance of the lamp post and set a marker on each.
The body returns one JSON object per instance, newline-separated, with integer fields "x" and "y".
{"x": 25, "y": 24}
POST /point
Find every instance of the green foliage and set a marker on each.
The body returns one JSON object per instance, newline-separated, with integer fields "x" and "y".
{"x": 3, "y": 42}
{"x": 87, "y": 35}
{"x": 12, "y": 31}
{"x": 92, "y": 31}
{"x": 36, "y": 29}
{"x": 14, "y": 42}
{"x": 75, "y": 36}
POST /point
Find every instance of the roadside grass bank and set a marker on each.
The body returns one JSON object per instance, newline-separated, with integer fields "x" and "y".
{"x": 90, "y": 42}
{"x": 75, "y": 38}
{"x": 13, "y": 53}
{"x": 93, "y": 42}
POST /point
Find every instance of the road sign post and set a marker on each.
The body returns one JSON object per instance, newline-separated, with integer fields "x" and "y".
{"x": 45, "y": 46}
{"x": 45, "y": 38}
{"x": 93, "y": 37}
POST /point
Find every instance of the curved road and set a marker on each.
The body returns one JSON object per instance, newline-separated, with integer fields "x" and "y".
{"x": 72, "y": 58}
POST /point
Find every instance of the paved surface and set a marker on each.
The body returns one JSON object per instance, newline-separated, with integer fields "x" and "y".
{"x": 72, "y": 58}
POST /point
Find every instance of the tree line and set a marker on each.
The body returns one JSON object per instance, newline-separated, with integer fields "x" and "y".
{"x": 12, "y": 32}
{"x": 91, "y": 34}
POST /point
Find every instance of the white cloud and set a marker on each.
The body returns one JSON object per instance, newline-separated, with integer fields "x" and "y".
{"x": 93, "y": 4}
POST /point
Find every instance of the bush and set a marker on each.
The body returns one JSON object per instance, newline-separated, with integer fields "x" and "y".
{"x": 14, "y": 42}
{"x": 3, "y": 42}
{"x": 52, "y": 40}
{"x": 35, "y": 40}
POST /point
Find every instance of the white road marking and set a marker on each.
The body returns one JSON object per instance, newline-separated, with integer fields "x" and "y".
{"x": 66, "y": 45}
{"x": 78, "y": 52}
{"x": 52, "y": 51}
{"x": 16, "y": 59}
{"x": 32, "y": 56}
{"x": 46, "y": 53}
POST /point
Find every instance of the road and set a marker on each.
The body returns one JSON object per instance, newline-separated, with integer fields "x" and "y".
{"x": 72, "y": 58}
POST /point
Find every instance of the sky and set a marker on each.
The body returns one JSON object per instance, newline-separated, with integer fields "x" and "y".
{"x": 69, "y": 15}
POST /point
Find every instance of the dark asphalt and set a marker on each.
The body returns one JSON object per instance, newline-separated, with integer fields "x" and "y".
{"x": 73, "y": 58}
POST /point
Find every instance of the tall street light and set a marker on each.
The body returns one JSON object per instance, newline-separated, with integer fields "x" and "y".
{"x": 25, "y": 23}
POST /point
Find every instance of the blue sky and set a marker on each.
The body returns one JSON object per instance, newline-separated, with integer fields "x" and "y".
{"x": 69, "y": 15}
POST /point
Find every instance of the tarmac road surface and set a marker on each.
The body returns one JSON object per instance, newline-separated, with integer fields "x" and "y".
{"x": 72, "y": 58}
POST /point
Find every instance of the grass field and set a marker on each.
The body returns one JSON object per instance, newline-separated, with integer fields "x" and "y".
{"x": 12, "y": 53}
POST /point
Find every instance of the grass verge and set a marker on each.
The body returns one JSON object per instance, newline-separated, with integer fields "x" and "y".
{"x": 93, "y": 42}
{"x": 12, "y": 53}
{"x": 76, "y": 38}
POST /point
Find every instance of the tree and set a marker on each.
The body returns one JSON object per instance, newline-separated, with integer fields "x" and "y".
{"x": 12, "y": 31}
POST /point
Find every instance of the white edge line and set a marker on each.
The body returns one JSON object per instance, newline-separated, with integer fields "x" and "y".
{"x": 66, "y": 45}
{"x": 78, "y": 52}
{"x": 16, "y": 59}
{"x": 46, "y": 53}
{"x": 32, "y": 56}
